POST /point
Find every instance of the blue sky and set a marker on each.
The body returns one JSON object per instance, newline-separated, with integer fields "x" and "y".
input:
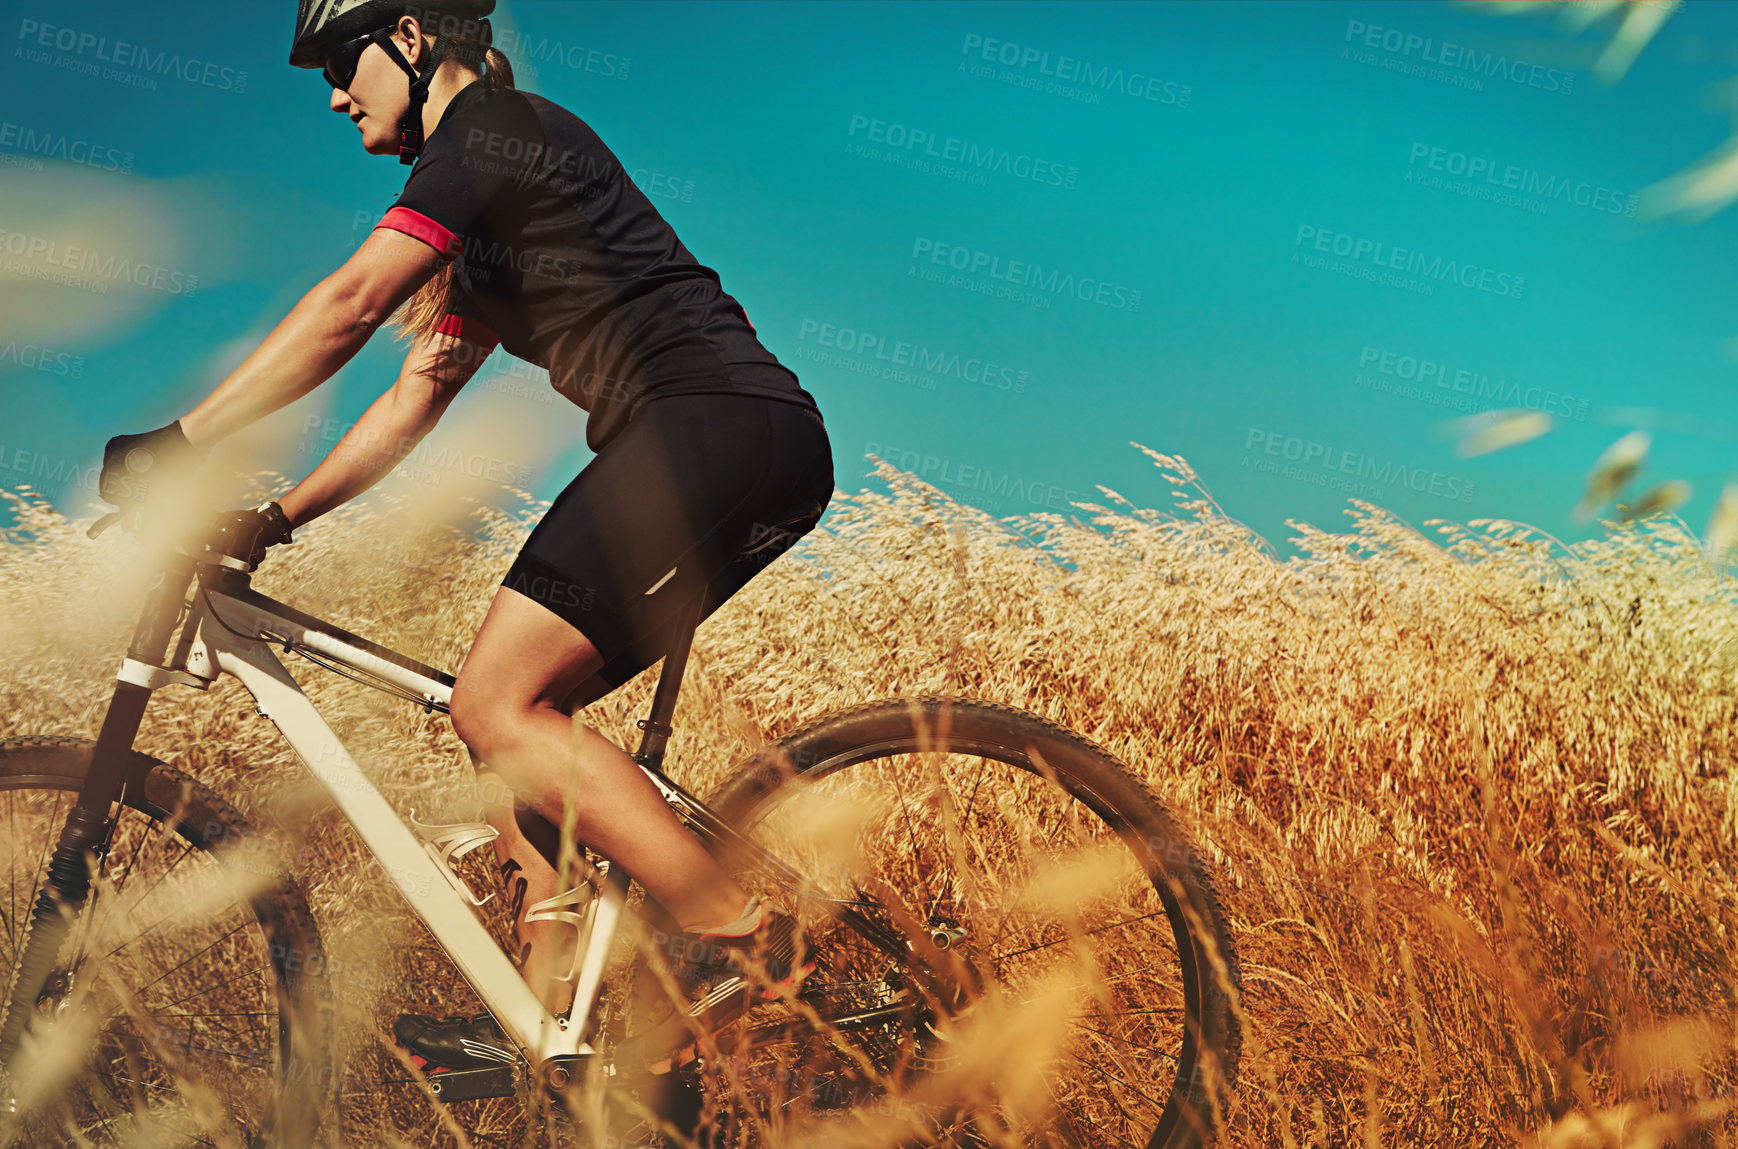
{"x": 997, "y": 242}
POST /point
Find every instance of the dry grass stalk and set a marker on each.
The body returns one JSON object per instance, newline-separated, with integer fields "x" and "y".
{"x": 1472, "y": 790}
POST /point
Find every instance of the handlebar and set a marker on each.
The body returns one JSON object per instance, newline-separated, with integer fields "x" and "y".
{"x": 188, "y": 555}
{"x": 210, "y": 544}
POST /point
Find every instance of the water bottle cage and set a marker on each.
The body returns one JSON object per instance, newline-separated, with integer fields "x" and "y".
{"x": 578, "y": 908}
{"x": 448, "y": 843}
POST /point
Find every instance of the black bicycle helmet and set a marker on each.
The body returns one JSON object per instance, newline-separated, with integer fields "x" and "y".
{"x": 323, "y": 24}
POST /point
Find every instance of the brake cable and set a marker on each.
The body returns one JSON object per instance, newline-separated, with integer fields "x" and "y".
{"x": 363, "y": 677}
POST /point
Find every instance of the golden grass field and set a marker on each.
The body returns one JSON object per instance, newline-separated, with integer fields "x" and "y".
{"x": 1470, "y": 792}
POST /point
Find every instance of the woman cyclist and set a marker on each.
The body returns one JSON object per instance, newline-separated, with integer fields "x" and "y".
{"x": 518, "y": 226}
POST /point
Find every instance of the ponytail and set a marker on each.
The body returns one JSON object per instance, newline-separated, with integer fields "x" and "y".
{"x": 497, "y": 71}
{"x": 424, "y": 312}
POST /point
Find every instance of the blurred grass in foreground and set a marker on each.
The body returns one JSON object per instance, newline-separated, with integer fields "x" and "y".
{"x": 1472, "y": 793}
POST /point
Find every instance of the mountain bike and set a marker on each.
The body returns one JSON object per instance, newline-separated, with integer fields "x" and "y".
{"x": 985, "y": 898}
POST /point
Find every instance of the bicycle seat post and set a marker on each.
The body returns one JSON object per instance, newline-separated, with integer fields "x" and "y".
{"x": 657, "y": 724}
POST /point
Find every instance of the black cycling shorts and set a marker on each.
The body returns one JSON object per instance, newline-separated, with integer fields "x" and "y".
{"x": 696, "y": 495}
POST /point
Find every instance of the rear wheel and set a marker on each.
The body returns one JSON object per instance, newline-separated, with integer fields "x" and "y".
{"x": 1061, "y": 971}
{"x": 189, "y": 1005}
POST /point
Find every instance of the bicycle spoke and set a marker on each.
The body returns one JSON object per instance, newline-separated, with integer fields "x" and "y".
{"x": 221, "y": 984}
{"x": 185, "y": 850}
{"x": 911, "y": 834}
{"x": 972, "y": 840}
{"x": 118, "y": 885}
{"x": 250, "y": 1059}
{"x": 227, "y": 1032}
{"x": 253, "y": 1035}
{"x": 132, "y": 860}
{"x": 983, "y": 768}
{"x": 986, "y": 844}
{"x": 190, "y": 1044}
{"x": 197, "y": 953}
{"x": 1143, "y": 1012}
{"x": 96, "y": 1110}
{"x": 1124, "y": 1041}
{"x": 1157, "y": 1105}
{"x": 1084, "y": 933}
{"x": 979, "y": 844}
{"x": 47, "y": 842}
{"x": 1126, "y": 974}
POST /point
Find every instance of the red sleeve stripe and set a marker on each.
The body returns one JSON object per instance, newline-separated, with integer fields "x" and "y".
{"x": 468, "y": 329}
{"x": 419, "y": 226}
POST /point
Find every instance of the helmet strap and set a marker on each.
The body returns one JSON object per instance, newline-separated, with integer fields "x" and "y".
{"x": 410, "y": 127}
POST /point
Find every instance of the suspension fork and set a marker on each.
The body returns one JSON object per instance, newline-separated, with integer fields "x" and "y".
{"x": 85, "y": 835}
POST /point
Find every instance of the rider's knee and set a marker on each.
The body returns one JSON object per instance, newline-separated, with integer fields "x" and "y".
{"x": 477, "y": 720}
{"x": 491, "y": 724}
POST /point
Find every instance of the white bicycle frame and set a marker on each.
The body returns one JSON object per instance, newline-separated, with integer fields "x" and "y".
{"x": 234, "y": 642}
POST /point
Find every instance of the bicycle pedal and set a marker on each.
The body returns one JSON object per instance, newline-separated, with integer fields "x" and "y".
{"x": 472, "y": 1084}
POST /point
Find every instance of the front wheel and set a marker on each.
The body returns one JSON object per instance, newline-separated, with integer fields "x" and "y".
{"x": 188, "y": 1004}
{"x": 1062, "y": 973}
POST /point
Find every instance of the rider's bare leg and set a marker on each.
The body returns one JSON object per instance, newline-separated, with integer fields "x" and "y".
{"x": 544, "y": 949}
{"x": 526, "y": 849}
{"x": 526, "y": 664}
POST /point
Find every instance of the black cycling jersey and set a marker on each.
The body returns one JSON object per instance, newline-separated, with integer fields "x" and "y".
{"x": 559, "y": 256}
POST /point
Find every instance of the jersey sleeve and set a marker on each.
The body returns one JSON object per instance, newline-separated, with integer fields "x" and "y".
{"x": 463, "y": 323}
{"x": 464, "y": 171}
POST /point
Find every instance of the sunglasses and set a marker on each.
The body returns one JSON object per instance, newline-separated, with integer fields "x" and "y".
{"x": 343, "y": 59}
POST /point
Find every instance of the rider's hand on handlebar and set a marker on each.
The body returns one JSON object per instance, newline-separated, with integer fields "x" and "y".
{"x": 248, "y": 534}
{"x": 132, "y": 463}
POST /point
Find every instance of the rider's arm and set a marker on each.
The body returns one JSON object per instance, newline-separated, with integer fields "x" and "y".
{"x": 319, "y": 335}
{"x": 434, "y": 371}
